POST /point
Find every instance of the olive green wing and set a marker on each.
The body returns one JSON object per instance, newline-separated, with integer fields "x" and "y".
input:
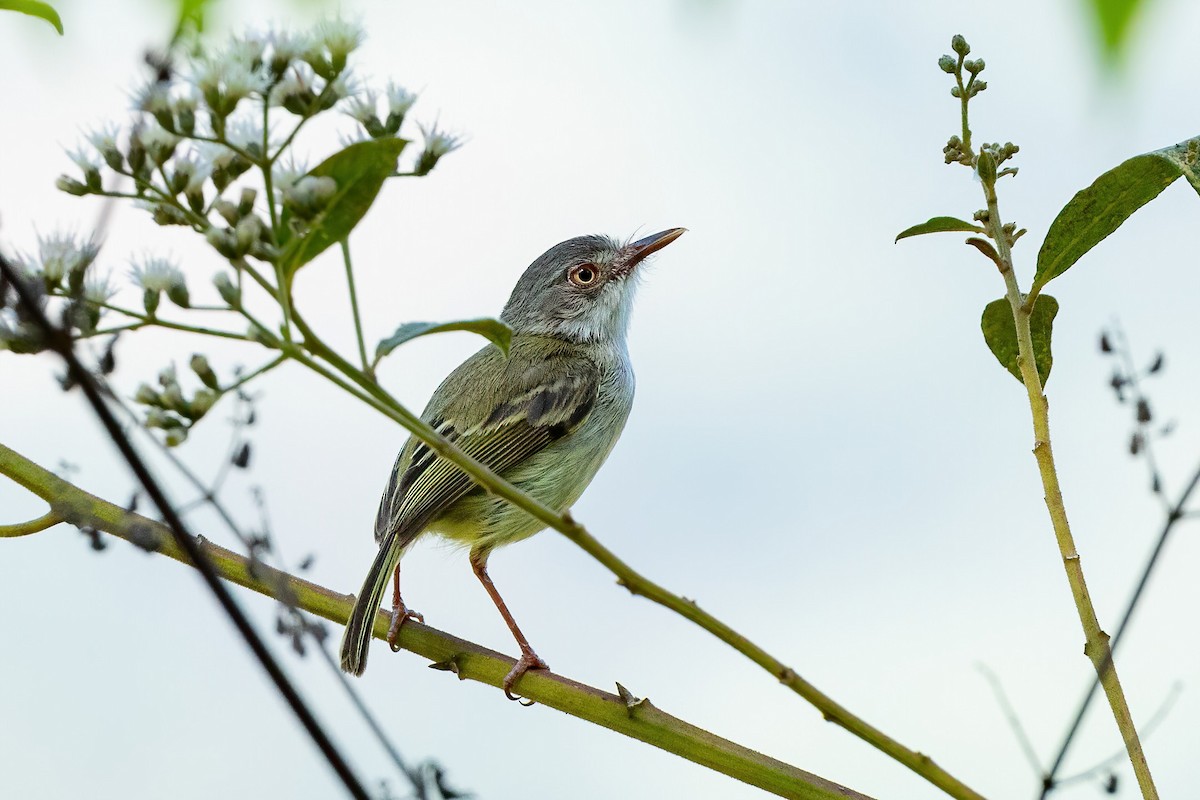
{"x": 540, "y": 411}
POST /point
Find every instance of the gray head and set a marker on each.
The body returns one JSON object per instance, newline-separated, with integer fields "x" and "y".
{"x": 582, "y": 289}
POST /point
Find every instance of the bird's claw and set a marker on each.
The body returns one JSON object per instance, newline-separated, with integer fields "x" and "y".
{"x": 399, "y": 615}
{"x": 526, "y": 662}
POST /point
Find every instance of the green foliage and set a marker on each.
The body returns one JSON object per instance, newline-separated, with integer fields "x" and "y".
{"x": 1000, "y": 333}
{"x": 1114, "y": 21}
{"x": 1095, "y": 212}
{"x": 359, "y": 172}
{"x": 493, "y": 330}
{"x": 34, "y": 9}
{"x": 940, "y": 225}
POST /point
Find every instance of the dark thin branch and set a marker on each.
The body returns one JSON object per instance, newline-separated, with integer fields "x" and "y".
{"x": 1146, "y": 728}
{"x": 60, "y": 341}
{"x": 1172, "y": 515}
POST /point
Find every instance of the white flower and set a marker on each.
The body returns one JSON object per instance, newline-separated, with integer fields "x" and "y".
{"x": 154, "y": 97}
{"x": 61, "y": 254}
{"x": 439, "y": 143}
{"x": 343, "y": 86}
{"x": 246, "y": 133}
{"x": 339, "y": 36}
{"x": 287, "y": 46}
{"x": 285, "y": 174}
{"x": 226, "y": 77}
{"x": 156, "y": 139}
{"x": 105, "y": 139}
{"x": 296, "y": 82}
{"x": 399, "y": 99}
{"x": 156, "y": 274}
{"x": 363, "y": 108}
{"x": 98, "y": 288}
{"x": 87, "y": 162}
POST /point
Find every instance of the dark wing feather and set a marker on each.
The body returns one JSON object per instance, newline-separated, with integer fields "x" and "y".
{"x": 424, "y": 485}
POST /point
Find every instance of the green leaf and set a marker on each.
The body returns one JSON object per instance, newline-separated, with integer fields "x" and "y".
{"x": 1114, "y": 20}
{"x": 1101, "y": 208}
{"x": 359, "y": 172}
{"x": 1000, "y": 333}
{"x": 940, "y": 225}
{"x": 494, "y": 330}
{"x": 34, "y": 9}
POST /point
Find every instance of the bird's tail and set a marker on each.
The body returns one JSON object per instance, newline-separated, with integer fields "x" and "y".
{"x": 356, "y": 641}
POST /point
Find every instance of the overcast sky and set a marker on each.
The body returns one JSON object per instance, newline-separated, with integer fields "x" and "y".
{"x": 822, "y": 451}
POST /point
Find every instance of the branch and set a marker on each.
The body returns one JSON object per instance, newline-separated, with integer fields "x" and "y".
{"x": 369, "y": 391}
{"x": 1096, "y": 641}
{"x": 625, "y": 714}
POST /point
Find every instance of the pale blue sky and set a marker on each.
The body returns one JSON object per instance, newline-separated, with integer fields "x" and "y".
{"x": 822, "y": 450}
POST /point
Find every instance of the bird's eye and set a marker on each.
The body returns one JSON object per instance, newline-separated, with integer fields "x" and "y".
{"x": 583, "y": 275}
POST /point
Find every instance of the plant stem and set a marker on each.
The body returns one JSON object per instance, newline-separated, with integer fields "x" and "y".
{"x": 47, "y": 520}
{"x": 637, "y": 719}
{"x": 1096, "y": 645}
{"x": 176, "y": 326}
{"x": 362, "y": 348}
{"x": 374, "y": 395}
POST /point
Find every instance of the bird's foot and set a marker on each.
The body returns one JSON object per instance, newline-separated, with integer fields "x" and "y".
{"x": 400, "y": 613}
{"x": 528, "y": 660}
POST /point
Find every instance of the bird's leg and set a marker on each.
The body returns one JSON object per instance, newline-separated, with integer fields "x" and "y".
{"x": 400, "y": 612}
{"x": 529, "y": 659}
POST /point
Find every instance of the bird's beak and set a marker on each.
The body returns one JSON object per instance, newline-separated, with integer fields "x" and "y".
{"x": 633, "y": 254}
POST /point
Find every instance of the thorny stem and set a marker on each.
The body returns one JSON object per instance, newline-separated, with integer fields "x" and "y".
{"x": 1096, "y": 647}
{"x": 638, "y": 719}
{"x": 362, "y": 348}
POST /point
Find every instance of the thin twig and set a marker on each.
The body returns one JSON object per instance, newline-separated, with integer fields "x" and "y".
{"x": 60, "y": 341}
{"x": 630, "y": 716}
{"x": 362, "y": 348}
{"x": 1014, "y": 722}
{"x": 13, "y": 530}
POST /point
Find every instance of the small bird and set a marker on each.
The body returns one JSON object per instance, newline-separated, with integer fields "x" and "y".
{"x": 544, "y": 418}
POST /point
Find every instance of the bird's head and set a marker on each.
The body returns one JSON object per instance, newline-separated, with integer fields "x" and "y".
{"x": 581, "y": 290}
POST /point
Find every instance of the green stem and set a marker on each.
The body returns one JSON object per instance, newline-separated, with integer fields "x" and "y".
{"x": 362, "y": 348}
{"x": 1096, "y": 646}
{"x": 265, "y": 368}
{"x": 47, "y": 520}
{"x": 638, "y": 719}
{"x": 145, "y": 319}
{"x": 374, "y": 395}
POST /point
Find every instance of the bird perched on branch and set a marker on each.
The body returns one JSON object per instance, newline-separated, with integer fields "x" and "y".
{"x": 544, "y": 418}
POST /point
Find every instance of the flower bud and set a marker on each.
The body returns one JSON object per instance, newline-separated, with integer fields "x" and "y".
{"x": 948, "y": 64}
{"x": 147, "y": 396}
{"x": 959, "y": 45}
{"x": 150, "y": 301}
{"x": 175, "y": 436}
{"x": 204, "y": 372}
{"x": 178, "y": 294}
{"x": 172, "y": 398}
{"x": 246, "y": 201}
{"x": 67, "y": 184}
{"x": 202, "y": 402}
{"x": 228, "y": 211}
{"x": 222, "y": 241}
{"x": 227, "y": 289}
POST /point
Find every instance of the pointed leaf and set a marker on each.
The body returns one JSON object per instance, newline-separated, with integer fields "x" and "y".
{"x": 494, "y": 330}
{"x": 1000, "y": 333}
{"x": 1095, "y": 212}
{"x": 359, "y": 172}
{"x": 34, "y": 8}
{"x": 940, "y": 225}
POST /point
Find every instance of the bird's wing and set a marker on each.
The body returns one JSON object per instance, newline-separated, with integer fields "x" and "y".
{"x": 544, "y": 403}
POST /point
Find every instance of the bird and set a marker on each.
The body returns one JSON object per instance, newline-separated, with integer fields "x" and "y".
{"x": 544, "y": 417}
